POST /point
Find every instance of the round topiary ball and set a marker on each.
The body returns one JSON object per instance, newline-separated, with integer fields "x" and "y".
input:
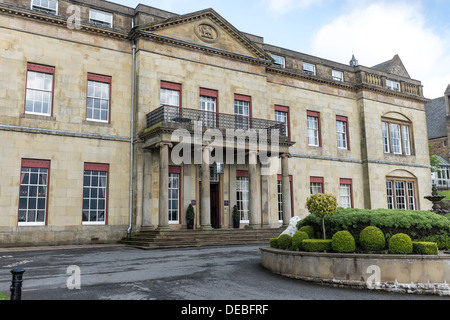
{"x": 284, "y": 241}
{"x": 372, "y": 239}
{"x": 400, "y": 243}
{"x": 343, "y": 242}
{"x": 297, "y": 240}
{"x": 309, "y": 231}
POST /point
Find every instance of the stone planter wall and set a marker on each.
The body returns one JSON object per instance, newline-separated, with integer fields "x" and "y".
{"x": 394, "y": 273}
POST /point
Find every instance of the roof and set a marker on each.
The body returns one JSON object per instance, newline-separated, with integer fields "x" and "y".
{"x": 436, "y": 118}
{"x": 442, "y": 162}
{"x": 393, "y": 66}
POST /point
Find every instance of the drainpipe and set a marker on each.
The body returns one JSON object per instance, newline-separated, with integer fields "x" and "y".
{"x": 130, "y": 226}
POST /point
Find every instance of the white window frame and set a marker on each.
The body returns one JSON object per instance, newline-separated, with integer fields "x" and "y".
{"x": 208, "y": 104}
{"x": 337, "y": 75}
{"x": 170, "y": 97}
{"x": 101, "y": 22}
{"x": 345, "y": 194}
{"x": 313, "y": 131}
{"x": 33, "y": 195}
{"x": 92, "y": 95}
{"x": 401, "y": 194}
{"x": 283, "y": 116}
{"x": 101, "y": 190}
{"x": 397, "y": 137}
{"x": 174, "y": 189}
{"x": 47, "y": 9}
{"x": 46, "y": 90}
{"x": 242, "y": 188}
{"x": 341, "y": 131}
{"x": 393, "y": 85}
{"x": 279, "y": 61}
{"x": 309, "y": 68}
{"x": 242, "y": 111}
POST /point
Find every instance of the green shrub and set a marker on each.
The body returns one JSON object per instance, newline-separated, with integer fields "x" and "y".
{"x": 273, "y": 243}
{"x": 284, "y": 241}
{"x": 322, "y": 205}
{"x": 343, "y": 242}
{"x": 443, "y": 242}
{"x": 309, "y": 231}
{"x": 427, "y": 248}
{"x": 400, "y": 243}
{"x": 297, "y": 240}
{"x": 317, "y": 245}
{"x": 372, "y": 239}
{"x": 419, "y": 225}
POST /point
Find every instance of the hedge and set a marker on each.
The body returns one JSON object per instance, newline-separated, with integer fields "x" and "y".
{"x": 316, "y": 245}
{"x": 426, "y": 248}
{"x": 297, "y": 240}
{"x": 284, "y": 241}
{"x": 343, "y": 242}
{"x": 400, "y": 244}
{"x": 372, "y": 239}
{"x": 419, "y": 225}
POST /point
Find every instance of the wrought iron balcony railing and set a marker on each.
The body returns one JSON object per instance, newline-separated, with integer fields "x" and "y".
{"x": 171, "y": 114}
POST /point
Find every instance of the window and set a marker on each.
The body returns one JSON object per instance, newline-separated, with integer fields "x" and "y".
{"x": 316, "y": 185}
{"x": 345, "y": 193}
{"x": 95, "y": 193}
{"x": 282, "y": 115}
{"x": 309, "y": 68}
{"x": 337, "y": 75}
{"x": 393, "y": 85}
{"x": 242, "y": 110}
{"x": 280, "y": 196}
{"x": 242, "y": 194}
{"x": 342, "y": 133}
{"x": 401, "y": 194}
{"x": 98, "y": 98}
{"x": 101, "y": 18}
{"x": 33, "y": 194}
{"x": 396, "y": 137}
{"x": 279, "y": 61}
{"x": 174, "y": 195}
{"x": 170, "y": 94}
{"x": 313, "y": 128}
{"x": 39, "y": 93}
{"x": 47, "y": 6}
{"x": 208, "y": 103}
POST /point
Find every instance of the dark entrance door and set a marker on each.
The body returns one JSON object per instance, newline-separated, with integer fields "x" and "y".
{"x": 215, "y": 210}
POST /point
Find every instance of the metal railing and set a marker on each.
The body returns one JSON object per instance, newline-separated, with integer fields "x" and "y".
{"x": 212, "y": 120}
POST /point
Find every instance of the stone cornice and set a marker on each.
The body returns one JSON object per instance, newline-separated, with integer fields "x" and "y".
{"x": 60, "y": 21}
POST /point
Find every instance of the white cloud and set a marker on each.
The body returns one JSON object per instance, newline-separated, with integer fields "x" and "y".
{"x": 378, "y": 31}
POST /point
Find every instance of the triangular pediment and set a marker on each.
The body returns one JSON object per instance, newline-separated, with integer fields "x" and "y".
{"x": 207, "y": 28}
{"x": 393, "y": 66}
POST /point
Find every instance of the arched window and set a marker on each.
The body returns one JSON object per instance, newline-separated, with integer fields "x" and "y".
{"x": 397, "y": 134}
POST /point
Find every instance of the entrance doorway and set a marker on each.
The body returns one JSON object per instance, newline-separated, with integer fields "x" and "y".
{"x": 215, "y": 209}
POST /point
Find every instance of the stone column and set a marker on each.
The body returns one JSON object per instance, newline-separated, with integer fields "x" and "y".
{"x": 163, "y": 223}
{"x": 205, "y": 221}
{"x": 254, "y": 208}
{"x": 286, "y": 189}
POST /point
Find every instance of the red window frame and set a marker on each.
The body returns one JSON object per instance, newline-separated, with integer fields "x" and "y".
{"x": 285, "y": 110}
{"x": 172, "y": 86}
{"x": 42, "y": 69}
{"x": 345, "y": 119}
{"x": 291, "y": 180}
{"x": 90, "y": 166}
{"x": 316, "y": 114}
{"x": 103, "y": 79}
{"x": 41, "y": 164}
{"x": 350, "y": 183}
{"x": 318, "y": 180}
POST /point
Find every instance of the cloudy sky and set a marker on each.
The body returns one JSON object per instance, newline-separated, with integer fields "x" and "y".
{"x": 374, "y": 30}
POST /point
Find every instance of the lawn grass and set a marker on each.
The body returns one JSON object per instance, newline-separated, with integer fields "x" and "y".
{"x": 3, "y": 296}
{"x": 445, "y": 193}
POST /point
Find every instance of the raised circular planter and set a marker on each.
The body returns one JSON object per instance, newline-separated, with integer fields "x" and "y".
{"x": 420, "y": 274}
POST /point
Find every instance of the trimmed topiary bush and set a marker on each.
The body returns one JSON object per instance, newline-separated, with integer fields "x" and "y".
{"x": 309, "y": 231}
{"x": 322, "y": 205}
{"x": 343, "y": 242}
{"x": 316, "y": 245}
{"x": 297, "y": 240}
{"x": 372, "y": 239}
{"x": 427, "y": 248}
{"x": 273, "y": 243}
{"x": 284, "y": 241}
{"x": 400, "y": 243}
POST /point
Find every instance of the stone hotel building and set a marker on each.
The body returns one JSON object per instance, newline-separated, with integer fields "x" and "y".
{"x": 99, "y": 101}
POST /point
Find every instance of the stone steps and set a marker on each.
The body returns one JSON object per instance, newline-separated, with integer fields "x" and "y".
{"x": 156, "y": 239}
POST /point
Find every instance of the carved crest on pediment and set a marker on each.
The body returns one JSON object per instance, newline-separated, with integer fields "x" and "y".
{"x": 206, "y": 32}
